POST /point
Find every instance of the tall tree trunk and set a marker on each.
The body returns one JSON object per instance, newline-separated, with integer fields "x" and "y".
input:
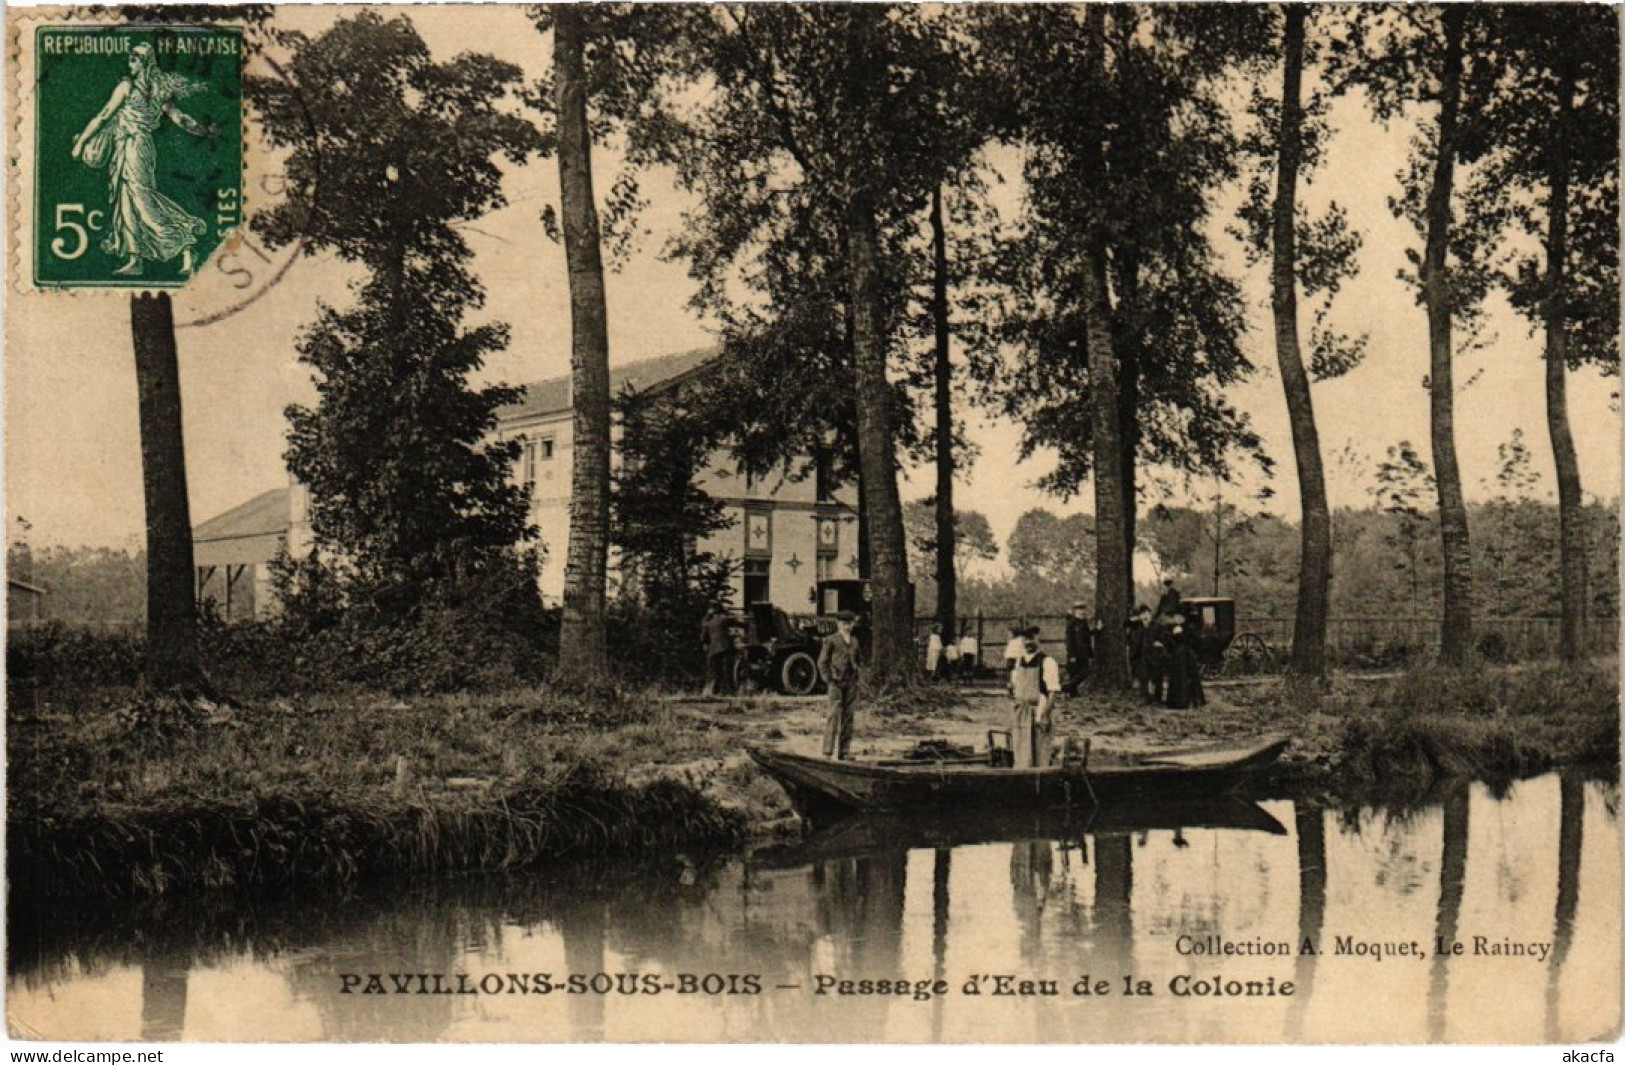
{"x": 865, "y": 567}
{"x": 1111, "y": 549}
{"x": 1570, "y": 502}
{"x": 582, "y": 652}
{"x": 1128, "y": 405}
{"x": 172, "y": 655}
{"x": 1111, "y": 556}
{"x": 892, "y": 629}
{"x": 947, "y": 578}
{"x": 1315, "y": 555}
{"x": 1456, "y": 635}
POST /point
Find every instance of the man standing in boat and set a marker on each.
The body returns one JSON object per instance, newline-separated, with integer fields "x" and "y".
{"x": 1034, "y": 680}
{"x": 839, "y": 663}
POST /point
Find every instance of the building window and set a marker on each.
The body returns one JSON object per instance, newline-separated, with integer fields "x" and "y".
{"x": 546, "y": 446}
{"x": 524, "y": 463}
{"x": 759, "y": 534}
{"x": 757, "y": 588}
{"x": 825, "y": 569}
{"x": 527, "y": 464}
{"x": 829, "y": 537}
{"x": 824, "y": 477}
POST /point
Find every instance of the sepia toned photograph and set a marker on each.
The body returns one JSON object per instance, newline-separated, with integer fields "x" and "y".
{"x": 879, "y": 523}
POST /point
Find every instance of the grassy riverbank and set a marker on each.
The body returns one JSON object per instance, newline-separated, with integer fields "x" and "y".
{"x": 123, "y": 795}
{"x": 158, "y": 796}
{"x": 1486, "y": 724}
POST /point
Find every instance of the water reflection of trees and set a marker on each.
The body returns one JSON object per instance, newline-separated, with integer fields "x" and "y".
{"x": 163, "y": 1001}
{"x": 1310, "y": 824}
{"x": 842, "y": 914}
{"x": 1570, "y": 839}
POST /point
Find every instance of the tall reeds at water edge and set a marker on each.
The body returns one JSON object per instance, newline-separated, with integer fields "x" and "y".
{"x": 280, "y": 841}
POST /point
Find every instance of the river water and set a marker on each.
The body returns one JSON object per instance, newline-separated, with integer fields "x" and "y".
{"x": 1122, "y": 930}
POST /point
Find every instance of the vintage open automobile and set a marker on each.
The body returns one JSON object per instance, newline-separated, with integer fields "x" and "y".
{"x": 777, "y": 652}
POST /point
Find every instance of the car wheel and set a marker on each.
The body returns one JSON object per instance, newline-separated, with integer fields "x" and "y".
{"x": 798, "y": 674}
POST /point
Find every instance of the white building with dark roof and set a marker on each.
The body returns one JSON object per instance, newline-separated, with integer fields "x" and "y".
{"x": 232, "y": 552}
{"x": 785, "y": 537}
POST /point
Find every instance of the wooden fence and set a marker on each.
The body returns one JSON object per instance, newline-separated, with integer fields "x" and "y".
{"x": 1351, "y": 641}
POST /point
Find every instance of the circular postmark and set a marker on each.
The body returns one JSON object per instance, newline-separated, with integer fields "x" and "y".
{"x": 246, "y": 268}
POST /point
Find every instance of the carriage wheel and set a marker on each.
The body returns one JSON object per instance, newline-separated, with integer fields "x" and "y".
{"x": 1249, "y": 655}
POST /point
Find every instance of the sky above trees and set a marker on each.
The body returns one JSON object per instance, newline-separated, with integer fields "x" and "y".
{"x": 73, "y": 462}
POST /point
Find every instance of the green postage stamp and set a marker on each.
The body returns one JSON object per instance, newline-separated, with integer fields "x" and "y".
{"x": 138, "y": 152}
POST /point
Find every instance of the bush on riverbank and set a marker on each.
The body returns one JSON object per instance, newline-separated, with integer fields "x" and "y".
{"x": 295, "y": 838}
{"x": 443, "y": 646}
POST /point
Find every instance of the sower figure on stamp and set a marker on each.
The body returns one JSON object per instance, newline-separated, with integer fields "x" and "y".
{"x": 144, "y": 223}
{"x": 1034, "y": 680}
{"x": 839, "y": 663}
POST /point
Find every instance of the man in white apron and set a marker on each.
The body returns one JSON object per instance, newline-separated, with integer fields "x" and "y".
{"x": 1034, "y": 680}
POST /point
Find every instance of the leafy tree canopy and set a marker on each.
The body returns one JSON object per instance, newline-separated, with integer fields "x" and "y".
{"x": 389, "y": 152}
{"x": 1177, "y": 318}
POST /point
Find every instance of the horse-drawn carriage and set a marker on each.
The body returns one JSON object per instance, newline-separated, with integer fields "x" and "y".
{"x": 1220, "y": 650}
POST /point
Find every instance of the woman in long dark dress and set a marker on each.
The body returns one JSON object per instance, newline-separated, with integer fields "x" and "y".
{"x": 1181, "y": 656}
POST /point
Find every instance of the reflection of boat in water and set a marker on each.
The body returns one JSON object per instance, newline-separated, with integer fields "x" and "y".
{"x": 885, "y": 833}
{"x": 822, "y": 787}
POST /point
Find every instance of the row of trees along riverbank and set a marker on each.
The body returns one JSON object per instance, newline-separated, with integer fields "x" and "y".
{"x": 836, "y": 157}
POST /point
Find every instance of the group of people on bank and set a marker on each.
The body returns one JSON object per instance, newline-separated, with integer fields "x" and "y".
{"x": 1162, "y": 651}
{"x": 1163, "y": 659}
{"x": 949, "y": 657}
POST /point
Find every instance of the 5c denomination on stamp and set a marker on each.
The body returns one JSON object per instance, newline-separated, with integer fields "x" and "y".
{"x": 138, "y": 152}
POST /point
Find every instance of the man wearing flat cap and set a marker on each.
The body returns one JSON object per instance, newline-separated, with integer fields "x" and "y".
{"x": 839, "y": 663}
{"x": 1034, "y": 680}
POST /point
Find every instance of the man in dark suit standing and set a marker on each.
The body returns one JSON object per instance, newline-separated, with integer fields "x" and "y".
{"x": 1080, "y": 647}
{"x": 718, "y": 643}
{"x": 839, "y": 663}
{"x": 1169, "y": 604}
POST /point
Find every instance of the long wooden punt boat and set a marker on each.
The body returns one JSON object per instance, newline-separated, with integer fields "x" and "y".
{"x": 821, "y": 788}
{"x": 883, "y": 833}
